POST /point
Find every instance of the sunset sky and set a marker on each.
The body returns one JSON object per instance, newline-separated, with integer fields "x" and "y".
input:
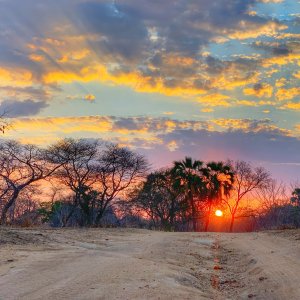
{"x": 212, "y": 79}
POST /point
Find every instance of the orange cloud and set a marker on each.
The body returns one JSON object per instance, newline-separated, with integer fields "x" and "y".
{"x": 281, "y": 60}
{"x": 252, "y": 30}
{"x": 215, "y": 100}
{"x": 90, "y": 97}
{"x": 291, "y": 106}
{"x": 287, "y": 94}
{"x": 260, "y": 91}
{"x": 148, "y": 131}
{"x": 15, "y": 77}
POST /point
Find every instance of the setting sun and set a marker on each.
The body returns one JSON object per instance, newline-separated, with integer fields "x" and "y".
{"x": 219, "y": 213}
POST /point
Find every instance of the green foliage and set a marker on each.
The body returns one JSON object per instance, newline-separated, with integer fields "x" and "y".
{"x": 48, "y": 209}
{"x": 295, "y": 199}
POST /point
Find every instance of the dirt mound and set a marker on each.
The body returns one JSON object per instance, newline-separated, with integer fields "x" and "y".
{"x": 10, "y": 236}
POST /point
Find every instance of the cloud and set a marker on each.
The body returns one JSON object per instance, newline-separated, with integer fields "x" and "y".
{"x": 252, "y": 30}
{"x": 133, "y": 43}
{"x": 259, "y": 90}
{"x": 287, "y": 94}
{"x": 16, "y": 78}
{"x": 90, "y": 97}
{"x": 144, "y": 128}
{"x": 215, "y": 100}
{"x": 271, "y": 1}
{"x": 208, "y": 52}
{"x": 164, "y": 140}
{"x": 291, "y": 106}
{"x": 20, "y": 109}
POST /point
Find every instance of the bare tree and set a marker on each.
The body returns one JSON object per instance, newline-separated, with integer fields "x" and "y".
{"x": 273, "y": 204}
{"x": 96, "y": 174}
{"x": 117, "y": 169}
{"x": 5, "y": 124}
{"x": 78, "y": 170}
{"x": 247, "y": 180}
{"x": 272, "y": 195}
{"x": 20, "y": 167}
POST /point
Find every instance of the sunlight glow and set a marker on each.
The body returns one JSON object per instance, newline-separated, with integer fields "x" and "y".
{"x": 219, "y": 213}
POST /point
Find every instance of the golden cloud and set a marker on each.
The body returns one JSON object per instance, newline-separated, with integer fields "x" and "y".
{"x": 287, "y": 94}
{"x": 215, "y": 100}
{"x": 252, "y": 30}
{"x": 291, "y": 106}
{"x": 297, "y": 75}
{"x": 15, "y": 77}
{"x": 282, "y": 60}
{"x": 260, "y": 91}
{"x": 90, "y": 97}
{"x": 126, "y": 130}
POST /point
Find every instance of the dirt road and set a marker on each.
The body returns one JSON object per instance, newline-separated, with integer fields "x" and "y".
{"x": 140, "y": 264}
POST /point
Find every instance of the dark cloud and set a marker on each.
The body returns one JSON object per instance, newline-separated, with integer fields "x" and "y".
{"x": 126, "y": 123}
{"x": 22, "y": 109}
{"x": 123, "y": 32}
{"x": 274, "y": 48}
{"x": 270, "y": 149}
{"x": 138, "y": 36}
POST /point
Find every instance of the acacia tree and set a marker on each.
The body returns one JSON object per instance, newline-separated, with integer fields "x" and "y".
{"x": 117, "y": 169}
{"x": 77, "y": 173}
{"x": 20, "y": 167}
{"x": 247, "y": 180}
{"x": 96, "y": 174}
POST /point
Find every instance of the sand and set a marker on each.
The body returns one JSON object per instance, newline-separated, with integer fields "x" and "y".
{"x": 140, "y": 264}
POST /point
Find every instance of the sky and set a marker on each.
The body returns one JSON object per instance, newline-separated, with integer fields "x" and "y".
{"x": 211, "y": 79}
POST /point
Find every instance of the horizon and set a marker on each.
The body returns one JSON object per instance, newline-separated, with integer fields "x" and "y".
{"x": 213, "y": 80}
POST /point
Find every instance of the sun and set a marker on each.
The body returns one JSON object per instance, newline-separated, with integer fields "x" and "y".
{"x": 219, "y": 213}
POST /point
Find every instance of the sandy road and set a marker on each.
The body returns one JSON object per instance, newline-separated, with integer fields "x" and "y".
{"x": 269, "y": 263}
{"x": 139, "y": 264}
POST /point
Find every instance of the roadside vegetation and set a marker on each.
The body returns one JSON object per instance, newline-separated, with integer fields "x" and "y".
{"x": 89, "y": 183}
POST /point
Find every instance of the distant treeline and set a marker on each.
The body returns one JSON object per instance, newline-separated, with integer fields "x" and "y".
{"x": 89, "y": 183}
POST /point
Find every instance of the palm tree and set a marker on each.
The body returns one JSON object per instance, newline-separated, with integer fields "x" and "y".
{"x": 219, "y": 179}
{"x": 187, "y": 174}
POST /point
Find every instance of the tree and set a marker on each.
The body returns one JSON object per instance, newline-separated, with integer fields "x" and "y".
{"x": 274, "y": 204}
{"x": 247, "y": 180}
{"x": 188, "y": 174}
{"x": 4, "y": 122}
{"x": 219, "y": 183}
{"x": 96, "y": 174}
{"x": 160, "y": 199}
{"x": 117, "y": 169}
{"x": 77, "y": 173}
{"x": 20, "y": 167}
{"x": 295, "y": 199}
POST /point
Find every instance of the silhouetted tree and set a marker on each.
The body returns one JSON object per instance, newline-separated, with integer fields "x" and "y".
{"x": 295, "y": 199}
{"x": 97, "y": 174}
{"x": 247, "y": 180}
{"x": 219, "y": 179}
{"x": 20, "y": 167}
{"x": 160, "y": 199}
{"x": 78, "y": 171}
{"x": 116, "y": 170}
{"x": 189, "y": 178}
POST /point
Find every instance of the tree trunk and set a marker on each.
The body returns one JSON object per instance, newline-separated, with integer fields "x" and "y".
{"x": 194, "y": 214}
{"x": 208, "y": 217}
{"x": 231, "y": 223}
{"x": 8, "y": 205}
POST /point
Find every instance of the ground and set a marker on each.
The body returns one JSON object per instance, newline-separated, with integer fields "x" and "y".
{"x": 140, "y": 264}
